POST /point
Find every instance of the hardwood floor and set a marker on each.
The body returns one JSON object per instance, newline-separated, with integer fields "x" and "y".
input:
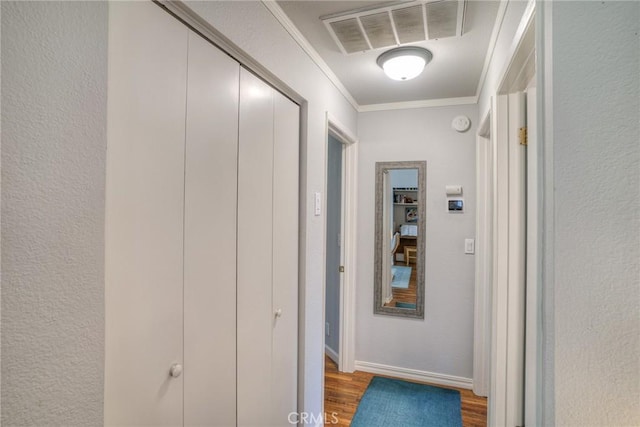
{"x": 405, "y": 295}
{"x": 342, "y": 393}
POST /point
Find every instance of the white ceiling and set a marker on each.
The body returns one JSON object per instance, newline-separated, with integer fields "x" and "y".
{"x": 454, "y": 72}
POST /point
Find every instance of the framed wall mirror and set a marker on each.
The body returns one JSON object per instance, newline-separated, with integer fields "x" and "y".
{"x": 400, "y": 238}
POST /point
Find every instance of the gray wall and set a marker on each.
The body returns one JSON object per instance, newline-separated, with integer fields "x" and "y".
{"x": 332, "y": 277}
{"x": 442, "y": 342}
{"x": 54, "y": 82}
{"x": 596, "y": 156}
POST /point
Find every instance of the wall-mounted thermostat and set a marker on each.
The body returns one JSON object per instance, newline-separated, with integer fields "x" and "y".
{"x": 455, "y": 205}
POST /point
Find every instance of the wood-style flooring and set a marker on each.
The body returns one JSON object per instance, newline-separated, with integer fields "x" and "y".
{"x": 409, "y": 294}
{"x": 342, "y": 393}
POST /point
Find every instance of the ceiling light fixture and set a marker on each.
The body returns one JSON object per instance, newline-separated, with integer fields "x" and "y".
{"x": 404, "y": 63}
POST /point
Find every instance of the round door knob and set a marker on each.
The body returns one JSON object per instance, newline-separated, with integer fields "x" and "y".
{"x": 175, "y": 370}
{"x": 279, "y": 312}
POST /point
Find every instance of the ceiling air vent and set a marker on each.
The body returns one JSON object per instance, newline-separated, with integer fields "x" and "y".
{"x": 379, "y": 30}
{"x": 350, "y": 35}
{"x": 441, "y": 19}
{"x": 410, "y": 24}
{"x": 395, "y": 24}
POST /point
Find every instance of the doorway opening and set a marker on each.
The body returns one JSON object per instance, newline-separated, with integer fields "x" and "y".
{"x": 334, "y": 266}
{"x": 339, "y": 248}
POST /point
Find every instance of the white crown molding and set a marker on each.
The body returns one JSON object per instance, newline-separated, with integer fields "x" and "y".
{"x": 414, "y": 374}
{"x": 293, "y": 31}
{"x": 442, "y": 102}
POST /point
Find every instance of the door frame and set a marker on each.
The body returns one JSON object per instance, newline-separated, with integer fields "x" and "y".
{"x": 519, "y": 73}
{"x": 498, "y": 269}
{"x": 484, "y": 258}
{"x": 346, "y": 330}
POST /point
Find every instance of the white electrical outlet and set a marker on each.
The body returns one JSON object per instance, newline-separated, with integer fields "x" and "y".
{"x": 326, "y": 329}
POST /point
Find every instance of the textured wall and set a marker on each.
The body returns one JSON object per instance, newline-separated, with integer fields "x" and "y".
{"x": 442, "y": 342}
{"x": 54, "y": 77}
{"x": 596, "y": 138}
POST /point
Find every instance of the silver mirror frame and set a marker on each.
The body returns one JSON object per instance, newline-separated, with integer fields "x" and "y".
{"x": 378, "y": 304}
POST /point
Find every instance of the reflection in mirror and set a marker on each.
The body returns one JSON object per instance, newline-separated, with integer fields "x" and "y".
{"x": 400, "y": 240}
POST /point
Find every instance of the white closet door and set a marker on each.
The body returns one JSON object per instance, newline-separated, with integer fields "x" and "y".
{"x": 255, "y": 250}
{"x": 285, "y": 259}
{"x": 210, "y": 236}
{"x": 144, "y": 215}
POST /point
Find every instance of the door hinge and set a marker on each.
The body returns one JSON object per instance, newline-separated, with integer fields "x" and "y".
{"x": 523, "y": 136}
{"x": 341, "y": 269}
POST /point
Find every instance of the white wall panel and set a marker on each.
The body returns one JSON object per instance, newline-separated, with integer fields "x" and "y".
{"x": 285, "y": 258}
{"x": 210, "y": 236}
{"x": 255, "y": 250}
{"x": 144, "y": 215}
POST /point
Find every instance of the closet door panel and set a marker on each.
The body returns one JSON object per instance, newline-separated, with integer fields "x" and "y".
{"x": 285, "y": 258}
{"x": 210, "y": 236}
{"x": 255, "y": 219}
{"x": 144, "y": 215}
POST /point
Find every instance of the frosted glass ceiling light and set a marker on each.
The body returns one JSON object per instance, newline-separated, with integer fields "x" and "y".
{"x": 404, "y": 63}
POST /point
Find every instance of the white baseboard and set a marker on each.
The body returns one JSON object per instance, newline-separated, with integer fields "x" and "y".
{"x": 414, "y": 374}
{"x": 332, "y": 354}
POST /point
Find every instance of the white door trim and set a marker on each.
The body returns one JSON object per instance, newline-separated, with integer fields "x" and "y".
{"x": 507, "y": 400}
{"x": 484, "y": 255}
{"x": 510, "y": 258}
{"x": 346, "y": 360}
{"x": 533, "y": 270}
{"x": 496, "y": 410}
{"x": 517, "y": 261}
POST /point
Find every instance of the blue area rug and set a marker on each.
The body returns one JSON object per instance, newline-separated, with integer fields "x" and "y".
{"x": 390, "y": 403}
{"x": 401, "y": 276}
{"x": 405, "y": 305}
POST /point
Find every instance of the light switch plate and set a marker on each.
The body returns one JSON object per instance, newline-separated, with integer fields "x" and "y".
{"x": 469, "y": 246}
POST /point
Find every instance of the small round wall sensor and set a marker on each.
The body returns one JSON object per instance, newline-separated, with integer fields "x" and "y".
{"x": 461, "y": 123}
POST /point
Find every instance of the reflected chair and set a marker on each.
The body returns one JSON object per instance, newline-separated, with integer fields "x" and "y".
{"x": 410, "y": 254}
